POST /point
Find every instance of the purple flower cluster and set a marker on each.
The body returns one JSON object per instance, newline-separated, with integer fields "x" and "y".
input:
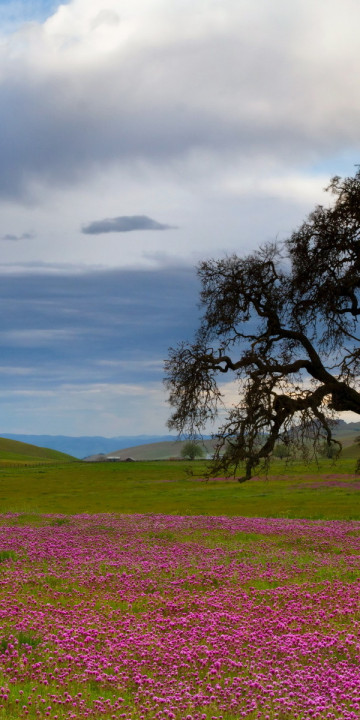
{"x": 179, "y": 618}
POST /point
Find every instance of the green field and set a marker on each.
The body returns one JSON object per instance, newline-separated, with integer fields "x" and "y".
{"x": 165, "y": 487}
{"x": 39, "y": 480}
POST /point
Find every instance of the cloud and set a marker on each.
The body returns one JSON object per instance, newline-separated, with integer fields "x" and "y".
{"x": 243, "y": 79}
{"x": 92, "y": 347}
{"x": 105, "y": 17}
{"x": 16, "y": 370}
{"x": 125, "y": 223}
{"x": 16, "y": 238}
{"x": 44, "y": 268}
{"x": 113, "y": 407}
{"x": 36, "y": 337}
{"x": 101, "y": 325}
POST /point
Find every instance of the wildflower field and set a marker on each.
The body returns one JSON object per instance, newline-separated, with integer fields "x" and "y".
{"x": 178, "y": 617}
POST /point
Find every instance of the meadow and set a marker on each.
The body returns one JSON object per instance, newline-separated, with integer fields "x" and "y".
{"x": 138, "y": 591}
{"x": 325, "y": 492}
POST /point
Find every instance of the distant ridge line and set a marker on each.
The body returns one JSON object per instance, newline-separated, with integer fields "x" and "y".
{"x": 86, "y": 445}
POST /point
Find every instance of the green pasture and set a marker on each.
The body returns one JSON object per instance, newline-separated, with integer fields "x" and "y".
{"x": 295, "y": 491}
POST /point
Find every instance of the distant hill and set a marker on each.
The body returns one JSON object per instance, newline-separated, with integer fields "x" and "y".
{"x": 151, "y": 451}
{"x": 347, "y": 432}
{"x": 172, "y": 449}
{"x": 86, "y": 445}
{"x": 13, "y": 452}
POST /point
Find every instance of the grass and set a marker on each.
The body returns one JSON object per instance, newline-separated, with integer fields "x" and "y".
{"x": 164, "y": 487}
{"x": 23, "y": 640}
{"x": 20, "y": 454}
{"x": 6, "y": 555}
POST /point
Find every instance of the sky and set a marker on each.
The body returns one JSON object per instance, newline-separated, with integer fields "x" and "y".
{"x": 137, "y": 138}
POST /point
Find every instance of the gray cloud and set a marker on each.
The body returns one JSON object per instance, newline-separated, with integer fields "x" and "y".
{"x": 125, "y": 223}
{"x": 16, "y": 238}
{"x": 105, "y": 17}
{"x": 243, "y": 86}
{"x": 69, "y": 324}
{"x": 86, "y": 351}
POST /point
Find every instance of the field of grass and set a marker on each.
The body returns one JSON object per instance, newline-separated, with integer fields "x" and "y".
{"x": 164, "y": 487}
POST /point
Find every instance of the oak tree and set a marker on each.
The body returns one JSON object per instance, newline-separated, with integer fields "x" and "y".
{"x": 283, "y": 324}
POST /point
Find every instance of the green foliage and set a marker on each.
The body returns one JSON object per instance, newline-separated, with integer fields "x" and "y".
{"x": 22, "y": 639}
{"x": 329, "y": 451}
{"x": 6, "y": 555}
{"x": 281, "y": 451}
{"x": 192, "y": 450}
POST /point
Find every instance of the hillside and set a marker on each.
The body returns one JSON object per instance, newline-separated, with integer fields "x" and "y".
{"x": 13, "y": 452}
{"x": 350, "y": 451}
{"x": 151, "y": 451}
{"x": 85, "y": 445}
{"x": 172, "y": 449}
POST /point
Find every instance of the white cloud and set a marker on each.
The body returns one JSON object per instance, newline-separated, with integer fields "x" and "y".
{"x": 299, "y": 188}
{"x": 163, "y": 80}
{"x": 35, "y": 337}
{"x": 105, "y": 409}
{"x": 112, "y": 389}
{"x": 189, "y": 112}
{"x": 157, "y": 365}
{"x": 176, "y": 111}
{"x": 14, "y": 370}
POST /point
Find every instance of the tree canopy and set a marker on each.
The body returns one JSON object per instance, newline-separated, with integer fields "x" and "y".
{"x": 192, "y": 450}
{"x": 283, "y": 324}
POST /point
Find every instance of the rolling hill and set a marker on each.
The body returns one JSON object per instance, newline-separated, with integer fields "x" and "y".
{"x": 347, "y": 432}
{"x": 165, "y": 450}
{"x": 86, "y": 445}
{"x": 13, "y": 452}
{"x": 140, "y": 447}
{"x": 151, "y": 451}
